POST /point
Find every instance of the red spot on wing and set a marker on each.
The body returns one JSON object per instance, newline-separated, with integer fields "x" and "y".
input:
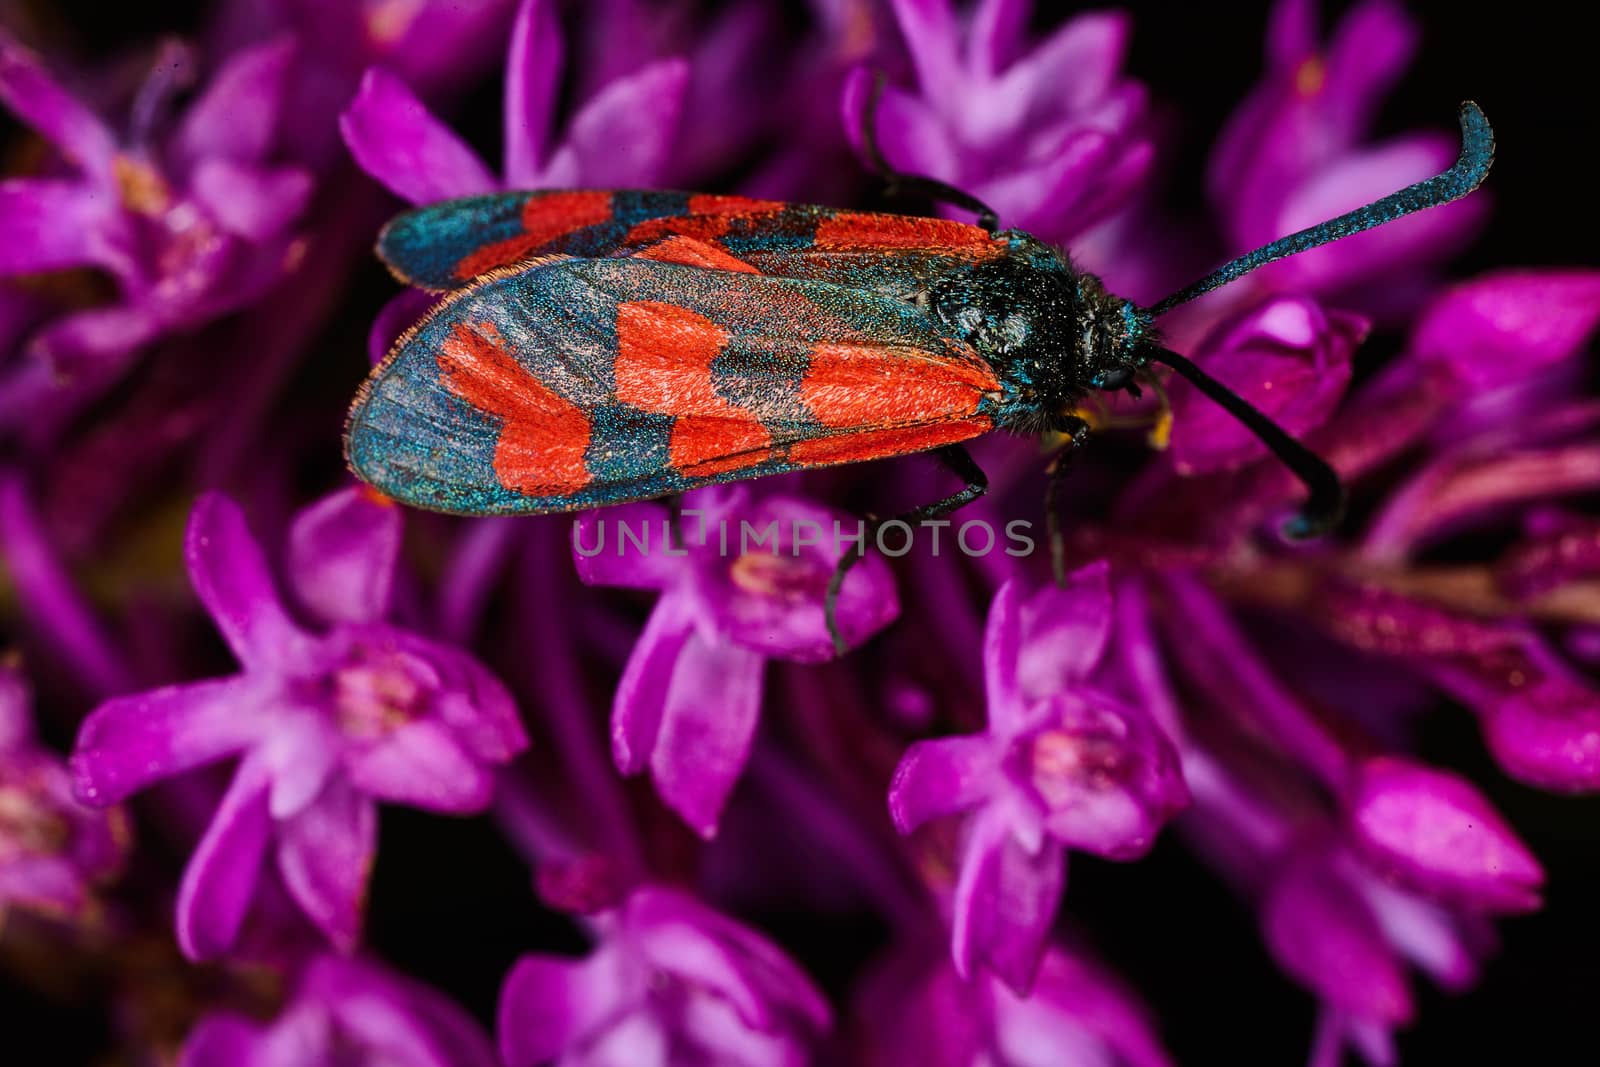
{"x": 543, "y": 438}
{"x": 698, "y": 227}
{"x": 861, "y": 385}
{"x": 694, "y": 253}
{"x": 857, "y": 230}
{"x": 879, "y": 444}
{"x": 712, "y": 204}
{"x": 702, "y": 446}
{"x": 663, "y": 364}
{"x": 544, "y": 218}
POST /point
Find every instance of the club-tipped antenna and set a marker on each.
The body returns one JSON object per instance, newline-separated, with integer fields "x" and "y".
{"x": 1477, "y": 153}
{"x": 1325, "y": 504}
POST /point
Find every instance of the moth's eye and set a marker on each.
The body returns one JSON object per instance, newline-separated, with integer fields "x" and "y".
{"x": 1113, "y": 379}
{"x": 1014, "y": 330}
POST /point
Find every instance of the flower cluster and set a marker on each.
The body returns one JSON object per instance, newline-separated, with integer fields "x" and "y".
{"x": 751, "y": 817}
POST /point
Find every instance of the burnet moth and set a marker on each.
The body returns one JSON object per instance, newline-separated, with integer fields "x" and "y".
{"x": 598, "y": 347}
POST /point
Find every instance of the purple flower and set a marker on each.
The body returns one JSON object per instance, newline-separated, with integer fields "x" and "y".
{"x": 1051, "y": 137}
{"x": 1321, "y": 931}
{"x": 746, "y": 586}
{"x": 53, "y": 850}
{"x": 920, "y": 1011}
{"x": 671, "y": 981}
{"x": 1063, "y": 764}
{"x": 1402, "y": 871}
{"x": 1287, "y": 356}
{"x": 324, "y": 722}
{"x": 1292, "y": 155}
{"x": 192, "y": 222}
{"x": 1431, "y": 830}
{"x": 620, "y": 136}
{"x": 1508, "y": 326}
{"x": 348, "y": 1012}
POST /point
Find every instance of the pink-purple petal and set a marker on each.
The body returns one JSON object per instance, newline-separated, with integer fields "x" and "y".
{"x": 1322, "y": 932}
{"x": 930, "y": 31}
{"x": 1292, "y": 32}
{"x": 1547, "y": 735}
{"x": 387, "y": 1014}
{"x": 707, "y": 726}
{"x": 1005, "y": 903}
{"x": 325, "y": 855}
{"x": 681, "y": 936}
{"x": 1464, "y": 487}
{"x": 1065, "y": 632}
{"x": 253, "y": 202}
{"x": 220, "y": 880}
{"x": 16, "y": 716}
{"x": 51, "y": 223}
{"x": 942, "y": 777}
{"x": 910, "y": 135}
{"x": 236, "y": 118}
{"x": 996, "y": 34}
{"x": 221, "y": 1041}
{"x": 422, "y": 764}
{"x": 130, "y": 742}
{"x": 771, "y": 600}
{"x": 624, "y": 135}
{"x": 1002, "y": 648}
{"x": 1074, "y": 67}
{"x": 1505, "y": 326}
{"x": 1438, "y": 834}
{"x": 35, "y": 97}
{"x": 1105, "y": 775}
{"x": 1369, "y": 52}
{"x": 230, "y": 575}
{"x": 394, "y": 138}
{"x": 304, "y": 1034}
{"x": 1074, "y": 992}
{"x": 343, "y": 550}
{"x": 1288, "y": 357}
{"x": 548, "y": 1005}
{"x": 604, "y": 555}
{"x": 533, "y": 79}
{"x": 641, "y": 697}
{"x": 85, "y": 348}
{"x": 767, "y": 968}
{"x": 301, "y": 752}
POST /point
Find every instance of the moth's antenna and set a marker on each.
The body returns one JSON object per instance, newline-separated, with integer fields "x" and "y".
{"x": 1325, "y": 506}
{"x": 1477, "y": 153}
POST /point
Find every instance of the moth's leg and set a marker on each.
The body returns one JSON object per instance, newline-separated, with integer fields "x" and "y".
{"x": 674, "y": 504}
{"x": 958, "y": 461}
{"x": 915, "y": 184}
{"x": 1077, "y": 432}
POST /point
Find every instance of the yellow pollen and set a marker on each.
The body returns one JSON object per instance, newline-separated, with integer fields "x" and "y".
{"x": 140, "y": 186}
{"x": 1310, "y": 76}
{"x": 1097, "y": 418}
{"x": 390, "y": 20}
{"x": 375, "y": 699}
{"x": 1057, "y": 762}
{"x": 27, "y": 828}
{"x": 771, "y": 575}
{"x": 1160, "y": 435}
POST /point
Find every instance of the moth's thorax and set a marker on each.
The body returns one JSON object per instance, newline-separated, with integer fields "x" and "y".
{"x": 1051, "y": 332}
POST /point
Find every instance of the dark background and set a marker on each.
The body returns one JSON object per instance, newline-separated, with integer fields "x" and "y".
{"x": 1177, "y": 934}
